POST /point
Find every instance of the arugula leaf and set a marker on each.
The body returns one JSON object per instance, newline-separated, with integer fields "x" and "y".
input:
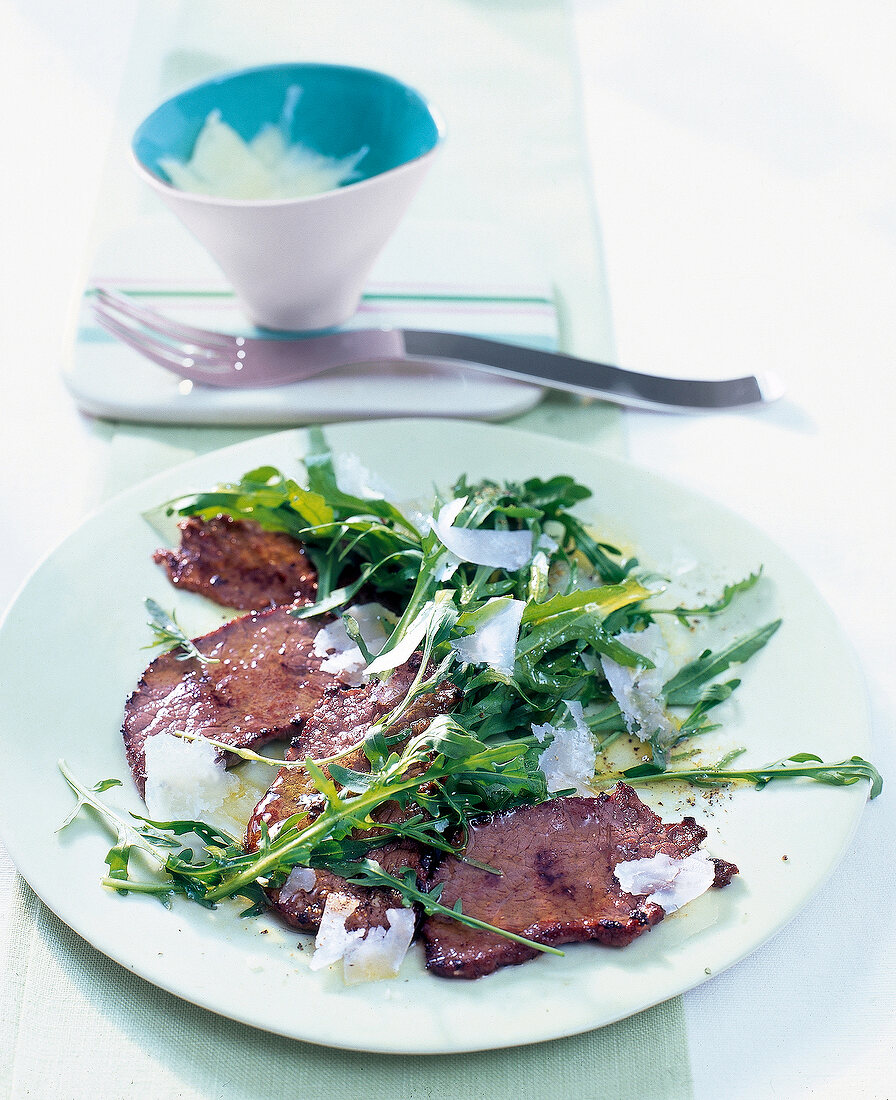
{"x": 602, "y": 601}
{"x": 715, "y": 606}
{"x": 802, "y": 765}
{"x": 169, "y": 634}
{"x": 696, "y": 722}
{"x": 155, "y": 846}
{"x": 685, "y": 687}
{"x": 264, "y": 495}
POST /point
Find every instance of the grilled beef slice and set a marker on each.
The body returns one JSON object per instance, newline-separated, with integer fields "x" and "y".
{"x": 725, "y": 872}
{"x": 238, "y": 564}
{"x": 342, "y": 718}
{"x": 557, "y": 883}
{"x": 265, "y": 680}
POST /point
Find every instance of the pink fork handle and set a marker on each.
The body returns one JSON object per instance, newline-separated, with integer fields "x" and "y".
{"x": 276, "y": 362}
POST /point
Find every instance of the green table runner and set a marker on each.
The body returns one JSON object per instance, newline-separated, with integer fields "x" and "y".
{"x": 504, "y": 76}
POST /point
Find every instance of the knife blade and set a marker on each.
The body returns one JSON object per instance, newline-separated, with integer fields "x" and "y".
{"x": 589, "y": 378}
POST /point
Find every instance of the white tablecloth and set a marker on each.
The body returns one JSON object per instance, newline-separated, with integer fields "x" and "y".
{"x": 743, "y": 163}
{"x": 744, "y": 166}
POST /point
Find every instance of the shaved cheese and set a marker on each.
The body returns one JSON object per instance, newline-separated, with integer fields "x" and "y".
{"x": 300, "y": 880}
{"x": 668, "y": 882}
{"x": 569, "y": 758}
{"x": 445, "y": 566}
{"x": 366, "y": 957}
{"x": 267, "y": 167}
{"x": 187, "y": 781}
{"x": 349, "y": 667}
{"x": 343, "y": 658}
{"x": 409, "y": 642}
{"x": 450, "y": 511}
{"x": 353, "y": 478}
{"x": 639, "y": 691}
{"x": 380, "y": 954}
{"x": 493, "y": 642}
{"x": 332, "y": 937}
{"x": 509, "y": 550}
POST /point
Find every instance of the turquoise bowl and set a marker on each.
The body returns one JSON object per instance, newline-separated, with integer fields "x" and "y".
{"x": 340, "y": 109}
{"x": 299, "y": 264}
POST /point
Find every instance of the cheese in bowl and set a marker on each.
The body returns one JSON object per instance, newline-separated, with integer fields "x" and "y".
{"x": 268, "y": 166}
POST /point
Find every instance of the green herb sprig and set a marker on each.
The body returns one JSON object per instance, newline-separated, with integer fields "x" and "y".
{"x": 802, "y": 765}
{"x": 170, "y": 636}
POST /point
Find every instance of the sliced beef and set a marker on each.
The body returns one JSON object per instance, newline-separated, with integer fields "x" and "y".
{"x": 265, "y": 680}
{"x": 725, "y": 872}
{"x": 342, "y": 718}
{"x": 556, "y": 883}
{"x": 346, "y": 714}
{"x": 238, "y": 564}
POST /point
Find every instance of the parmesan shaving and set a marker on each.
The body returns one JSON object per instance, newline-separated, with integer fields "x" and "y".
{"x": 332, "y": 938}
{"x": 301, "y": 880}
{"x": 343, "y": 658}
{"x": 639, "y": 691}
{"x": 408, "y": 643}
{"x": 223, "y": 165}
{"x": 380, "y": 954}
{"x": 668, "y": 882}
{"x": 365, "y": 957}
{"x": 493, "y": 642}
{"x": 187, "y": 781}
{"x": 509, "y": 550}
{"x": 354, "y": 479}
{"x": 569, "y": 759}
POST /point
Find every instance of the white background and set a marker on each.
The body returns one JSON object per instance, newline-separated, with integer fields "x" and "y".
{"x": 744, "y": 160}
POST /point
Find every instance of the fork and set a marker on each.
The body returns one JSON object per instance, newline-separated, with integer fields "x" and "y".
{"x": 218, "y": 359}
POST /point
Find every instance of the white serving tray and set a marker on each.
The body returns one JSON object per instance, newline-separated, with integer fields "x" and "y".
{"x": 432, "y": 276}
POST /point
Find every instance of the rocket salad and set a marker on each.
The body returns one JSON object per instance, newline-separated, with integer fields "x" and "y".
{"x": 554, "y": 637}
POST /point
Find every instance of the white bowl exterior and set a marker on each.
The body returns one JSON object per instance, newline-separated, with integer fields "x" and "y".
{"x": 300, "y": 264}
